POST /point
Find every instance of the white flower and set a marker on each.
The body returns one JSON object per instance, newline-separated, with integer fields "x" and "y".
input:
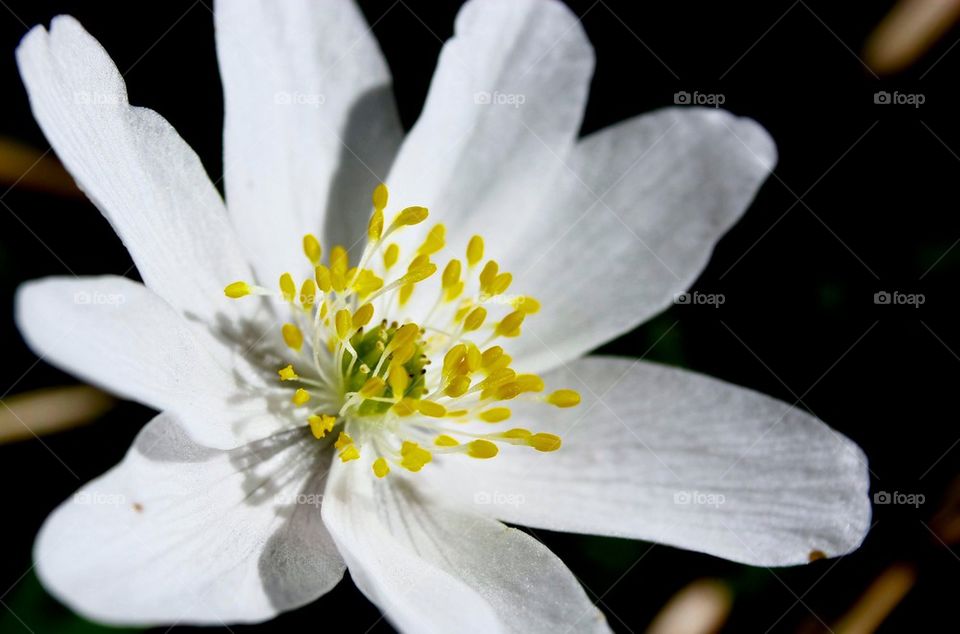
{"x": 234, "y": 504}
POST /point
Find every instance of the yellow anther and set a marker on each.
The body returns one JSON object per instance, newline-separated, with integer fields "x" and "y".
{"x": 453, "y": 292}
{"x": 374, "y": 387}
{"x": 500, "y": 283}
{"x": 444, "y": 440}
{"x": 495, "y": 414}
{"x": 343, "y": 321}
{"x": 292, "y": 336}
{"x": 398, "y": 379}
{"x": 490, "y": 356}
{"x": 363, "y": 316}
{"x": 380, "y": 196}
{"x": 287, "y": 287}
{"x": 475, "y": 319}
{"x": 482, "y": 449}
{"x": 474, "y": 250}
{"x": 322, "y": 275}
{"x": 375, "y": 226}
{"x": 338, "y": 280}
{"x": 411, "y": 216}
{"x": 339, "y": 260}
{"x": 544, "y": 442}
{"x": 380, "y": 468}
{"x": 451, "y": 274}
{"x": 530, "y": 383}
{"x": 405, "y": 334}
{"x": 457, "y": 386}
{"x": 501, "y": 363}
{"x": 405, "y": 292}
{"x": 343, "y": 440}
{"x": 419, "y": 273}
{"x": 498, "y": 378}
{"x": 517, "y": 433}
{"x": 507, "y": 391}
{"x": 321, "y": 425}
{"x": 237, "y": 290}
{"x": 526, "y": 304}
{"x": 455, "y": 355}
{"x": 436, "y": 239}
{"x": 308, "y": 294}
{"x": 367, "y": 282}
{"x": 349, "y": 453}
{"x": 300, "y": 397}
{"x": 474, "y": 357}
{"x": 488, "y": 274}
{"x": 391, "y": 255}
{"x": 509, "y": 326}
{"x": 404, "y": 353}
{"x": 288, "y": 374}
{"x": 564, "y": 398}
{"x": 312, "y": 249}
{"x": 457, "y": 413}
{"x": 405, "y": 407}
{"x": 431, "y": 409}
{"x": 465, "y": 307}
{"x": 413, "y": 456}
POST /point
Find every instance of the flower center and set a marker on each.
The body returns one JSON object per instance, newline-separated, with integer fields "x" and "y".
{"x": 405, "y": 390}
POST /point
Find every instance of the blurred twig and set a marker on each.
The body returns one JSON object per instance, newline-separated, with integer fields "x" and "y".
{"x": 700, "y": 608}
{"x": 50, "y": 410}
{"x": 28, "y": 167}
{"x": 907, "y": 32}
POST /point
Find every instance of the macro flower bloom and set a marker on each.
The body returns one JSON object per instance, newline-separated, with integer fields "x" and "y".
{"x": 383, "y": 405}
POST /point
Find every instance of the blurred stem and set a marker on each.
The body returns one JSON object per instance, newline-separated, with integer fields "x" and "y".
{"x": 25, "y": 166}
{"x": 907, "y": 32}
{"x": 50, "y": 410}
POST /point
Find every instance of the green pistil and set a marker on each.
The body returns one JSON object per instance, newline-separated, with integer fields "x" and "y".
{"x": 370, "y": 346}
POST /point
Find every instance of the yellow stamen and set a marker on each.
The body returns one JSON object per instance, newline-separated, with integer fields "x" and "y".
{"x": 380, "y": 467}
{"x": 495, "y": 415}
{"x": 322, "y": 275}
{"x": 444, "y": 440}
{"x": 349, "y": 453}
{"x": 380, "y": 196}
{"x": 475, "y": 319}
{"x": 391, "y": 255}
{"x": 474, "y": 250}
{"x": 237, "y": 290}
{"x": 509, "y": 326}
{"x": 292, "y": 336}
{"x": 435, "y": 240}
{"x": 482, "y": 449}
{"x": 413, "y": 456}
{"x": 432, "y": 409}
{"x": 375, "y": 227}
{"x": 308, "y": 294}
{"x": 343, "y": 322}
{"x": 312, "y": 249}
{"x": 288, "y": 289}
{"x": 363, "y": 316}
{"x": 544, "y": 442}
{"x": 287, "y": 374}
{"x": 300, "y": 397}
{"x": 343, "y": 440}
{"x": 321, "y": 425}
{"x": 564, "y": 398}
{"x": 411, "y": 216}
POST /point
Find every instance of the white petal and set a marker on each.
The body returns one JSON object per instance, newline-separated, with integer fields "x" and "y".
{"x": 134, "y": 166}
{"x": 435, "y": 569}
{"x": 665, "y": 455}
{"x": 478, "y": 156}
{"x": 632, "y": 224}
{"x": 310, "y": 126}
{"x": 181, "y": 534}
{"x": 117, "y": 334}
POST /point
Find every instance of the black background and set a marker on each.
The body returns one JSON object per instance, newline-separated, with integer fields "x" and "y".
{"x": 862, "y": 201}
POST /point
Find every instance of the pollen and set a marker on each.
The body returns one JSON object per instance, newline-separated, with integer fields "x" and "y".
{"x": 399, "y": 387}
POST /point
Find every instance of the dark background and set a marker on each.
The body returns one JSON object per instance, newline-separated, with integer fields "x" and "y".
{"x": 861, "y": 201}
